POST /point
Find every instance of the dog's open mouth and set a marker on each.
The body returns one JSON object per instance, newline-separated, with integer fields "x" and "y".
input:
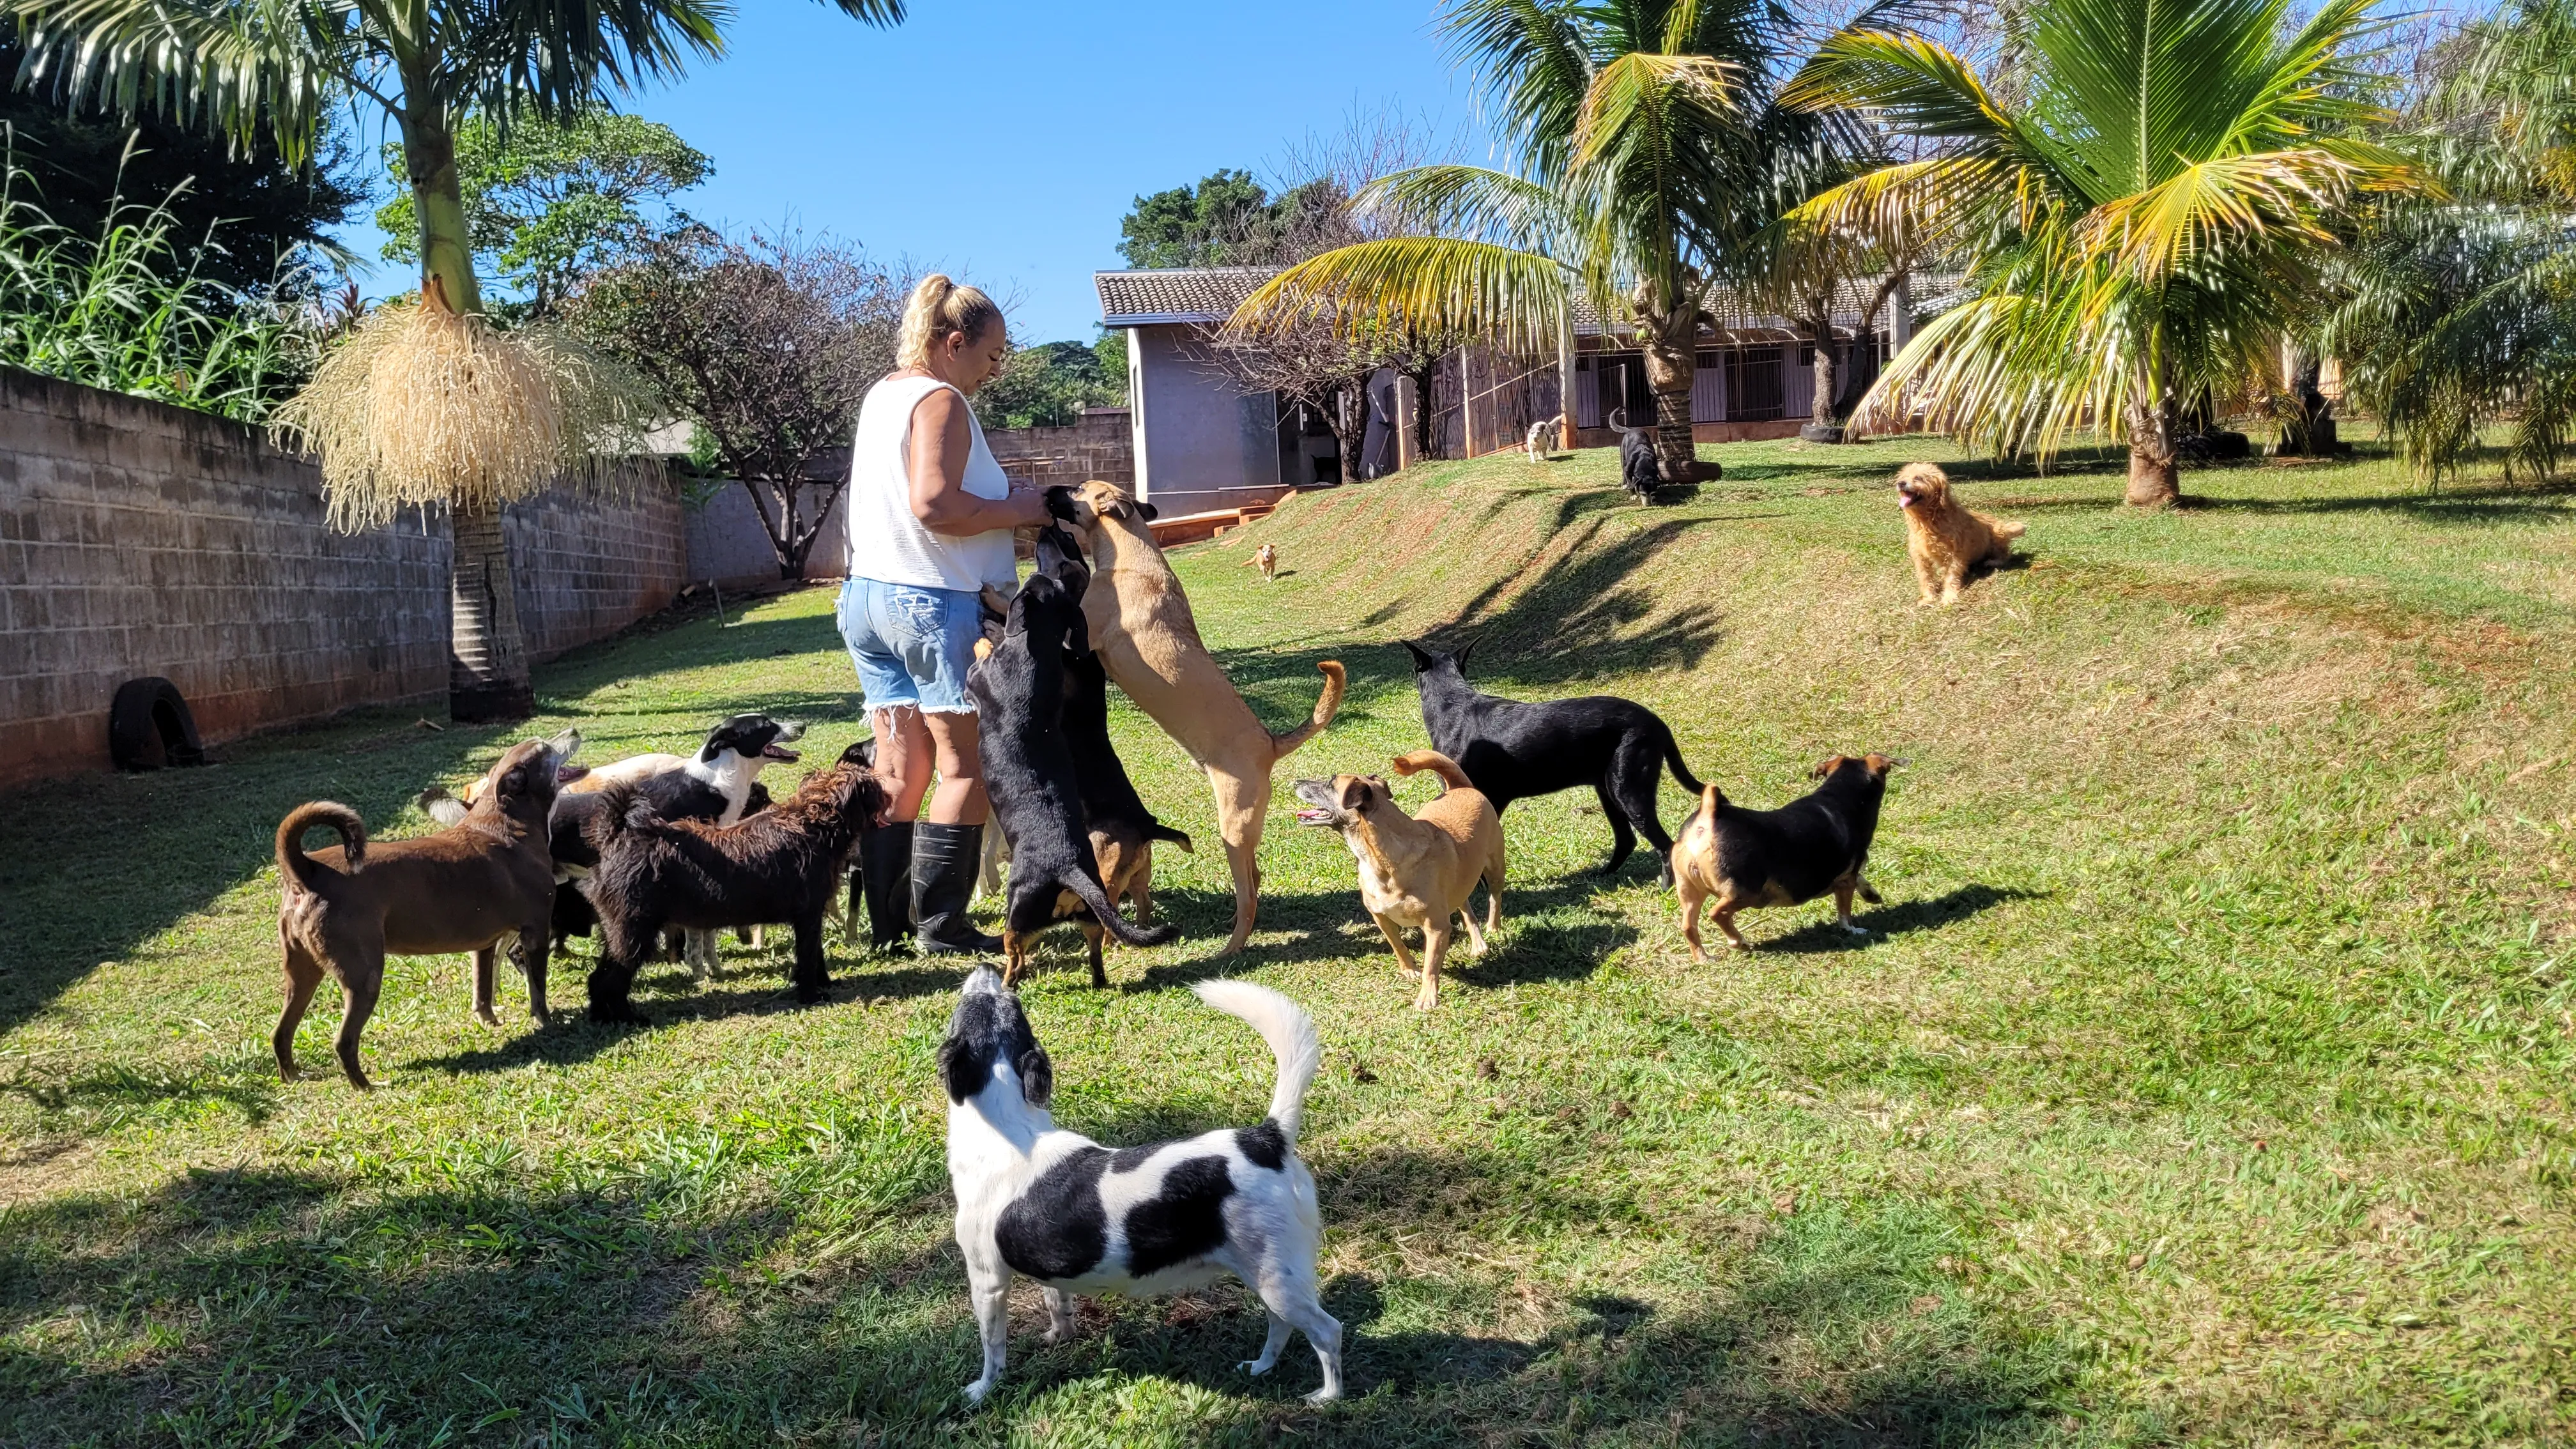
{"x": 780, "y": 753}
{"x": 1904, "y": 499}
{"x": 1315, "y": 817}
{"x": 568, "y": 772}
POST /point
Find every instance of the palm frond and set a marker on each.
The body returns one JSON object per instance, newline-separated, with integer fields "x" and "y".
{"x": 1402, "y": 284}
{"x": 1475, "y": 202}
{"x": 234, "y": 65}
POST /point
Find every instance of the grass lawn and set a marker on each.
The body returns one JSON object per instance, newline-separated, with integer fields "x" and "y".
{"x": 2205, "y": 1078}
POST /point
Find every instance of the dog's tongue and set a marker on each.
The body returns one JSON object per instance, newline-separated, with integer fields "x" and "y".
{"x": 1904, "y": 500}
{"x": 566, "y": 774}
{"x": 1314, "y": 817}
{"x": 779, "y": 752}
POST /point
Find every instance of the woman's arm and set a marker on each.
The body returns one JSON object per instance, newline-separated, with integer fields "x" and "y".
{"x": 941, "y": 442}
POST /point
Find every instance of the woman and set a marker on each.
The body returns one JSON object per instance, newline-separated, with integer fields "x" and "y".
{"x": 930, "y": 521}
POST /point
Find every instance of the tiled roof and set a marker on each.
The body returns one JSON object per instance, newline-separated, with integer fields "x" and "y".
{"x": 1176, "y": 294}
{"x": 1208, "y": 295}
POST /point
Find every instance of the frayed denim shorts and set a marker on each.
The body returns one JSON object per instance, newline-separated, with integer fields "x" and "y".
{"x": 911, "y": 645}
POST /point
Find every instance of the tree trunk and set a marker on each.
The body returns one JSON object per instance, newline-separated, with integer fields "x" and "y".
{"x": 1347, "y": 411}
{"x": 1824, "y": 415}
{"x": 487, "y": 657}
{"x": 2155, "y": 471}
{"x": 1669, "y": 370}
{"x": 1423, "y": 410}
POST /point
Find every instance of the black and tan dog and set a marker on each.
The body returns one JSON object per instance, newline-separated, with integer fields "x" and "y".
{"x": 1742, "y": 858}
{"x": 463, "y": 889}
{"x": 1029, "y": 767}
{"x": 1416, "y": 871}
{"x": 1122, "y": 830}
{"x": 783, "y": 864}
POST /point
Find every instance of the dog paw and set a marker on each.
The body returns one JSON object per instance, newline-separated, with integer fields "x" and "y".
{"x": 976, "y": 1391}
{"x": 1324, "y": 1395}
{"x": 1855, "y": 930}
{"x": 1425, "y": 1000}
{"x": 485, "y": 1015}
{"x": 1256, "y": 1367}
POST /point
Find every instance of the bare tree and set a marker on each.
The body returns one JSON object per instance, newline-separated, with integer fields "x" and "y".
{"x": 767, "y": 345}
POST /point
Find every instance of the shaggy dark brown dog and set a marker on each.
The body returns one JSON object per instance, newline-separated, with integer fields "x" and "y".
{"x": 462, "y": 889}
{"x": 1950, "y": 544}
{"x": 783, "y": 864}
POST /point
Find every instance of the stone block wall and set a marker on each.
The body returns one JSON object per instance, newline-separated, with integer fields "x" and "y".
{"x": 1102, "y": 445}
{"x": 141, "y": 539}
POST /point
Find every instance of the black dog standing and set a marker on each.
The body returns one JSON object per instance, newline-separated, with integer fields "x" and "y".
{"x": 1029, "y": 767}
{"x": 1512, "y": 750}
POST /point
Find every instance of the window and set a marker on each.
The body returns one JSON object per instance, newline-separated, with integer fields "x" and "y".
{"x": 1753, "y": 385}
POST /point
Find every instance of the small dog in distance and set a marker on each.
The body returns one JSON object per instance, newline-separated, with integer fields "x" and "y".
{"x": 1266, "y": 559}
{"x": 1542, "y": 433}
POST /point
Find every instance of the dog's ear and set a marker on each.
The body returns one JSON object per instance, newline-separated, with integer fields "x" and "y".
{"x": 1037, "y": 1076}
{"x": 1466, "y": 649}
{"x": 1421, "y": 656}
{"x": 1826, "y": 766}
{"x": 959, "y": 1071}
{"x": 1149, "y": 511}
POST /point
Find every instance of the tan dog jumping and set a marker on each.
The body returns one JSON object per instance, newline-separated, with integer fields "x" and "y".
{"x": 1143, "y": 631}
{"x": 1417, "y": 871}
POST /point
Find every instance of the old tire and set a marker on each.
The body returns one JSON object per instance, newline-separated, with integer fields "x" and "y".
{"x": 149, "y": 726}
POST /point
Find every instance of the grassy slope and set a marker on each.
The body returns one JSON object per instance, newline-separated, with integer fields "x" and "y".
{"x": 2204, "y": 1078}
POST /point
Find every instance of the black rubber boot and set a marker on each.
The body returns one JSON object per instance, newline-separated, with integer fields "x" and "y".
{"x": 944, "y": 861}
{"x": 884, "y": 880}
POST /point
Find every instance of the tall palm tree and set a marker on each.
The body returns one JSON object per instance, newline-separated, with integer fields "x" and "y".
{"x": 1637, "y": 177}
{"x": 2463, "y": 310}
{"x": 279, "y": 65}
{"x": 2139, "y": 222}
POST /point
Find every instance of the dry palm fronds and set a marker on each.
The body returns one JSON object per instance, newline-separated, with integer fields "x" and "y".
{"x": 419, "y": 405}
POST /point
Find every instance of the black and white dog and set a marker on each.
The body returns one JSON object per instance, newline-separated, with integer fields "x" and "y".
{"x": 1162, "y": 1218}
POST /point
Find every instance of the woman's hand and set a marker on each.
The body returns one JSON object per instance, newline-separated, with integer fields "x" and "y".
{"x": 942, "y": 440}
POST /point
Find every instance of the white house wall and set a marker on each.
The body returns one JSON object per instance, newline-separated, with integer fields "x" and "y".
{"x": 1200, "y": 445}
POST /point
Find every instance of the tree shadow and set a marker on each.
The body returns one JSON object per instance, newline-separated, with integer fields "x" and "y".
{"x": 1895, "y": 918}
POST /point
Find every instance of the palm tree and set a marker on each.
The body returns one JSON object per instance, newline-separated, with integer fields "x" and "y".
{"x": 248, "y": 65}
{"x": 2463, "y": 310}
{"x": 2139, "y": 222}
{"x": 1638, "y": 177}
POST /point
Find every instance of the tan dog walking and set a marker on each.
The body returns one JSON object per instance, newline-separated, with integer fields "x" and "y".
{"x": 1266, "y": 559}
{"x": 1143, "y": 631}
{"x": 1417, "y": 871}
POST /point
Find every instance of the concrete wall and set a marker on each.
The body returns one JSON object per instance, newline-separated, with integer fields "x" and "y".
{"x": 728, "y": 543}
{"x": 1203, "y": 445}
{"x": 1102, "y": 445}
{"x": 141, "y": 539}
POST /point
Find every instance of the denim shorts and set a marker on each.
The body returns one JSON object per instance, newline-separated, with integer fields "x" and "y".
{"x": 911, "y": 645}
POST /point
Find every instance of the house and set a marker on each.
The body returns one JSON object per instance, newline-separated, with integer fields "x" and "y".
{"x": 1201, "y": 444}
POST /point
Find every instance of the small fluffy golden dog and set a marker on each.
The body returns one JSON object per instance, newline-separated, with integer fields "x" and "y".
{"x": 1949, "y": 543}
{"x": 1266, "y": 559}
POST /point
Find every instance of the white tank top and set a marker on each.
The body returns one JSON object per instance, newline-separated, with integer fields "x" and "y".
{"x": 887, "y": 543}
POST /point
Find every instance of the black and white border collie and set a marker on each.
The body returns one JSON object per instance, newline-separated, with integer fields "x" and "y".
{"x": 1162, "y": 1218}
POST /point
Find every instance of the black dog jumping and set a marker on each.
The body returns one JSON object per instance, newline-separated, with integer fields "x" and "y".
{"x": 1029, "y": 766}
{"x": 1512, "y": 750}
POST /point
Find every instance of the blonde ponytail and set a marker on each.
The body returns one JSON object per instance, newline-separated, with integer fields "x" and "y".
{"x": 940, "y": 308}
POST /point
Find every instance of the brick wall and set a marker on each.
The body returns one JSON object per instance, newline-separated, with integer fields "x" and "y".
{"x": 1101, "y": 446}
{"x": 141, "y": 539}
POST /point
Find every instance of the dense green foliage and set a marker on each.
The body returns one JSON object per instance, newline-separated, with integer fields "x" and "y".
{"x": 1048, "y": 385}
{"x": 1226, "y": 219}
{"x": 548, "y": 202}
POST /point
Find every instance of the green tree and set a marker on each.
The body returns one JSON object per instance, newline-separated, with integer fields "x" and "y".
{"x": 1226, "y": 219}
{"x": 268, "y": 66}
{"x": 264, "y": 215}
{"x": 2462, "y": 312}
{"x": 2142, "y": 220}
{"x": 1639, "y": 177}
{"x": 546, "y": 201}
{"x": 1048, "y": 385}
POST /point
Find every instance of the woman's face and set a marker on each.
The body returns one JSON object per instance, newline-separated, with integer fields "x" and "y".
{"x": 973, "y": 363}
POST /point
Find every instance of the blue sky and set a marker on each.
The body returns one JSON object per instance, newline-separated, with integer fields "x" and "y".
{"x": 1002, "y": 140}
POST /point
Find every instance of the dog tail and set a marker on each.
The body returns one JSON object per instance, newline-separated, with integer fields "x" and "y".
{"x": 1673, "y": 757}
{"x": 1327, "y": 704}
{"x": 1710, "y": 799}
{"x": 620, "y": 810}
{"x": 1159, "y": 831}
{"x": 1091, "y": 893}
{"x": 1291, "y": 1034}
{"x": 1438, "y": 764}
{"x": 294, "y": 865}
{"x": 2009, "y": 531}
{"x": 441, "y": 806}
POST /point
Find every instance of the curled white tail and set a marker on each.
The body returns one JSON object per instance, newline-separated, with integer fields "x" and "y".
{"x": 1291, "y": 1034}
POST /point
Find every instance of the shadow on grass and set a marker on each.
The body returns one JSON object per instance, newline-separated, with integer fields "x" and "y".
{"x": 1892, "y": 919}
{"x": 648, "y": 1309}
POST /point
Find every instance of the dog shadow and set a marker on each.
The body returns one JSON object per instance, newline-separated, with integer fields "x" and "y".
{"x": 1896, "y": 918}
